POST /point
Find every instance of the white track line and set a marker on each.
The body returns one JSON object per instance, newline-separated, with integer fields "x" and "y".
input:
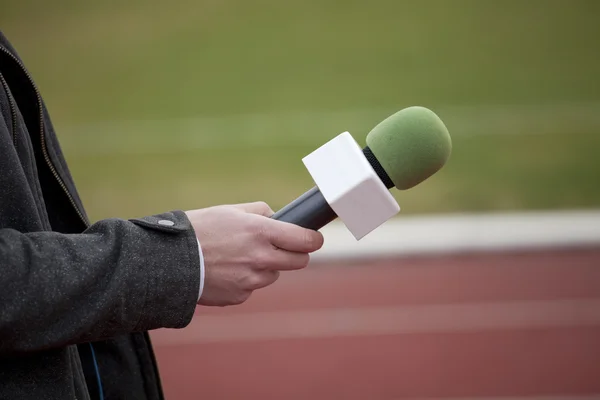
{"x": 382, "y": 320}
{"x": 415, "y": 235}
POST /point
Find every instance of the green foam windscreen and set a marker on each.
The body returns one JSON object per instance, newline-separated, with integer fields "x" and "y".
{"x": 411, "y": 145}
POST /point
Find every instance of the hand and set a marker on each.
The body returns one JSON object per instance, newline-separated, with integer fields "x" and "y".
{"x": 244, "y": 250}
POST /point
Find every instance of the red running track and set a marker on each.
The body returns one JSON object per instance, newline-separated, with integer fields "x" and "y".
{"x": 480, "y": 326}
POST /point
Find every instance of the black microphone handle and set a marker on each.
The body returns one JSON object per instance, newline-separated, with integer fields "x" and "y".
{"x": 310, "y": 211}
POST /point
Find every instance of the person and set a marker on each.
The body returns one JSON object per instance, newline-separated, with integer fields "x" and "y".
{"x": 77, "y": 299}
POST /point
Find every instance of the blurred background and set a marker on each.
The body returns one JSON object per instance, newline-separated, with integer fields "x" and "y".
{"x": 218, "y": 101}
{"x": 191, "y": 103}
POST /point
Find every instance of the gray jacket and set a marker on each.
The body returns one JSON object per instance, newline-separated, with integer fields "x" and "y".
{"x": 77, "y": 299}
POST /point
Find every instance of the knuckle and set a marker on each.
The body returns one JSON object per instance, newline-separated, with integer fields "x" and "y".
{"x": 268, "y": 210}
{"x": 255, "y": 281}
{"x": 241, "y": 297}
{"x": 263, "y": 279}
{"x": 262, "y": 260}
{"x": 262, "y": 208}
{"x": 263, "y": 205}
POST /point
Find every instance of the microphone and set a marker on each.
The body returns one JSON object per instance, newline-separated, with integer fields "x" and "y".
{"x": 404, "y": 150}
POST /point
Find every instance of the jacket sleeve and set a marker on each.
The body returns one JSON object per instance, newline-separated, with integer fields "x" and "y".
{"x": 118, "y": 276}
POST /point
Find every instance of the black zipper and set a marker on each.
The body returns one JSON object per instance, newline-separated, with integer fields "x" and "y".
{"x": 43, "y": 137}
{"x": 13, "y": 109}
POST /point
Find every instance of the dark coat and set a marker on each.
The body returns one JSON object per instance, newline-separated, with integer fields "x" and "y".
{"x": 71, "y": 291}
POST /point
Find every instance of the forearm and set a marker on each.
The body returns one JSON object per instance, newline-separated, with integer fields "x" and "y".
{"x": 117, "y": 277}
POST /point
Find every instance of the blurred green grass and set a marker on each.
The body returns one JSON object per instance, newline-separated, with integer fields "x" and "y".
{"x": 192, "y": 103}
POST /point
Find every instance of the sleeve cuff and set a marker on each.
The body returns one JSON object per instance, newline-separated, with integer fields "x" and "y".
{"x": 201, "y": 270}
{"x": 169, "y": 262}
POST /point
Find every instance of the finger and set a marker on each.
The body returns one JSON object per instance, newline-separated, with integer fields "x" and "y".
{"x": 291, "y": 237}
{"x": 258, "y": 207}
{"x": 283, "y": 260}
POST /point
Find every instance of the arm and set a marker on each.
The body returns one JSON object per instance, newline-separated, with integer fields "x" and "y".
{"x": 116, "y": 277}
